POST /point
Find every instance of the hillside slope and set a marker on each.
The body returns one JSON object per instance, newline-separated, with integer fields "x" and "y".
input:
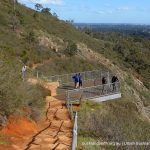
{"x": 41, "y": 41}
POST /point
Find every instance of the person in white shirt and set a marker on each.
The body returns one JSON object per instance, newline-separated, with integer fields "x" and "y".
{"x": 24, "y": 68}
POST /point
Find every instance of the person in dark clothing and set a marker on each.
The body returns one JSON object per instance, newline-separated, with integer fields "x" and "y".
{"x": 104, "y": 82}
{"x": 114, "y": 81}
{"x": 76, "y": 80}
{"x": 80, "y": 80}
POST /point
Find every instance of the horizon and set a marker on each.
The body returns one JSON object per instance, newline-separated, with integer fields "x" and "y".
{"x": 98, "y": 11}
{"x": 143, "y": 24}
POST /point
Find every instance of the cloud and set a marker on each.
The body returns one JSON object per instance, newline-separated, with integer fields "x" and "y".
{"x": 100, "y": 12}
{"x": 44, "y": 2}
{"x": 103, "y": 12}
{"x": 125, "y": 8}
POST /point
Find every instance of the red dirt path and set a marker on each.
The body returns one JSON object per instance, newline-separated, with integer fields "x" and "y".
{"x": 54, "y": 132}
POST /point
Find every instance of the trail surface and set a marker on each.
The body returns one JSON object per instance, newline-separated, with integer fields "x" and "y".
{"x": 54, "y": 131}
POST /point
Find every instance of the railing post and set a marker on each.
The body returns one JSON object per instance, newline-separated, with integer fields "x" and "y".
{"x": 75, "y": 130}
{"x": 108, "y": 77}
{"x": 101, "y": 76}
{"x": 71, "y": 109}
{"x": 67, "y": 98}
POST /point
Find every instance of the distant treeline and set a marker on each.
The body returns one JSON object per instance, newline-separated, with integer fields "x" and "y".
{"x": 130, "y": 29}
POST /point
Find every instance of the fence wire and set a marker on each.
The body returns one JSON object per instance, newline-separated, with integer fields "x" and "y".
{"x": 93, "y": 92}
{"x": 66, "y": 79}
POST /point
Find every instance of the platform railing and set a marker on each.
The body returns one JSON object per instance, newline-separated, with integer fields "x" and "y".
{"x": 93, "y": 92}
{"x": 67, "y": 78}
{"x": 75, "y": 130}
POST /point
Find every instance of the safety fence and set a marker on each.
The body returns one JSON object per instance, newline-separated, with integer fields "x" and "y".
{"x": 92, "y": 92}
{"x": 66, "y": 79}
{"x": 75, "y": 130}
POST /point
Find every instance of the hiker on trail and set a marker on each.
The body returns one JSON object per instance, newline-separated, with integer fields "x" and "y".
{"x": 76, "y": 80}
{"x": 80, "y": 80}
{"x": 114, "y": 81}
{"x": 104, "y": 82}
{"x": 24, "y": 68}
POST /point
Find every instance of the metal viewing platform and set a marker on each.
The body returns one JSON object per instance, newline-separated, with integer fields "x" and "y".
{"x": 92, "y": 88}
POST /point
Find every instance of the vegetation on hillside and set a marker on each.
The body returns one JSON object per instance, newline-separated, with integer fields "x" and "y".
{"x": 116, "y": 121}
{"x": 39, "y": 37}
{"x": 31, "y": 37}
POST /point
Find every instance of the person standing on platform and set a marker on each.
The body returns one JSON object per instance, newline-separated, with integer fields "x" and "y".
{"x": 76, "y": 80}
{"x": 104, "y": 82}
{"x": 80, "y": 80}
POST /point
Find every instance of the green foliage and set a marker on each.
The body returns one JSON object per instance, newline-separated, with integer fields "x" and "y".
{"x": 30, "y": 37}
{"x": 112, "y": 121}
{"x": 4, "y": 140}
{"x": 59, "y": 65}
{"x": 71, "y": 49}
{"x": 46, "y": 11}
{"x": 55, "y": 15}
{"x": 38, "y": 6}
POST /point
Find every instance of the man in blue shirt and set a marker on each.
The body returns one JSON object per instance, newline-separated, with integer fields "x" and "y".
{"x": 76, "y": 80}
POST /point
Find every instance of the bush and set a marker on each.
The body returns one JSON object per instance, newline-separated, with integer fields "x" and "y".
{"x": 112, "y": 121}
{"x": 71, "y": 49}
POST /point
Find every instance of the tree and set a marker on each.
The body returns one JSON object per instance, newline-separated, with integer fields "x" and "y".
{"x": 87, "y": 30}
{"x": 70, "y": 21}
{"x": 55, "y": 15}
{"x": 46, "y": 11}
{"x": 38, "y": 6}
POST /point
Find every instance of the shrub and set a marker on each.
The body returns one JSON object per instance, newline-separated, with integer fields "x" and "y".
{"x": 71, "y": 49}
{"x": 112, "y": 121}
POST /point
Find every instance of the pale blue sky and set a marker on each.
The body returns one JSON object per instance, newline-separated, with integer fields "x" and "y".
{"x": 98, "y": 11}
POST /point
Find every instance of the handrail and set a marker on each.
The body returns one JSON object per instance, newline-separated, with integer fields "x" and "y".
{"x": 75, "y": 129}
{"x": 87, "y": 75}
{"x": 93, "y": 86}
{"x": 93, "y": 92}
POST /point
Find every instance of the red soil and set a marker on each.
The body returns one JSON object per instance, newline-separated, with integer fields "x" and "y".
{"x": 19, "y": 127}
{"x": 53, "y": 133}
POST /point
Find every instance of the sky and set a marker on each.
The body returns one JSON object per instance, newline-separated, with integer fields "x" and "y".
{"x": 98, "y": 11}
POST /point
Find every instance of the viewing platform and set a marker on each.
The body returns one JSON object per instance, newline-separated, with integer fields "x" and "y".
{"x": 92, "y": 89}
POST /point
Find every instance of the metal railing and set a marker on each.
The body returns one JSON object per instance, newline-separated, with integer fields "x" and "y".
{"x": 75, "y": 129}
{"x": 92, "y": 92}
{"x": 67, "y": 78}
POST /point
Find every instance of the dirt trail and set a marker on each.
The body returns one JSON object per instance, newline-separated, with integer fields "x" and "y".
{"x": 54, "y": 133}
{"x": 57, "y": 134}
